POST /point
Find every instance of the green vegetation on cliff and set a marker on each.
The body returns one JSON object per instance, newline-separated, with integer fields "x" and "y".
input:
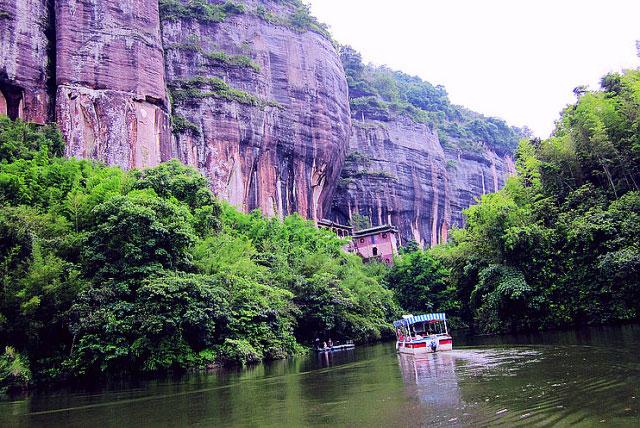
{"x": 378, "y": 93}
{"x": 199, "y": 10}
{"x": 199, "y": 87}
{"x": 194, "y": 44}
{"x": 104, "y": 271}
{"x": 298, "y": 19}
{"x": 560, "y": 244}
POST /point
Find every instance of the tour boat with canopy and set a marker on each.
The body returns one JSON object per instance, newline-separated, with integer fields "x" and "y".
{"x": 423, "y": 334}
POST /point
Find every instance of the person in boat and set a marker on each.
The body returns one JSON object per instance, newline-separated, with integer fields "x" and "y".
{"x": 330, "y": 343}
{"x": 324, "y": 345}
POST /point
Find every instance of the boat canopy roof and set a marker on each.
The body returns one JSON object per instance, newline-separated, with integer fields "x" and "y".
{"x": 420, "y": 318}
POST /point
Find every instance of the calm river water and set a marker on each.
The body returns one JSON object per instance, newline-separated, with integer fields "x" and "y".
{"x": 588, "y": 377}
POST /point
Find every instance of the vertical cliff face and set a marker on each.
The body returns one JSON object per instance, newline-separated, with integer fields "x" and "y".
{"x": 254, "y": 94}
{"x": 398, "y": 172}
{"x": 111, "y": 101}
{"x": 263, "y": 108}
{"x": 25, "y": 59}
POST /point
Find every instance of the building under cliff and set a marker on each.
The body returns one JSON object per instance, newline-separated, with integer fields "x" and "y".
{"x": 379, "y": 243}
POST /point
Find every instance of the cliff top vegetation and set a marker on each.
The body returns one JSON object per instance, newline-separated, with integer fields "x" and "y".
{"x": 378, "y": 93}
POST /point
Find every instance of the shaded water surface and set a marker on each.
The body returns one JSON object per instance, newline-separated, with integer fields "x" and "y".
{"x": 588, "y": 377}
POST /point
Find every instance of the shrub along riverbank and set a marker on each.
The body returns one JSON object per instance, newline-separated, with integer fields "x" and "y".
{"x": 104, "y": 271}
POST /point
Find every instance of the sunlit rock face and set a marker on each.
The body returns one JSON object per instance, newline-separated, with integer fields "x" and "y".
{"x": 280, "y": 149}
{"x": 24, "y": 59}
{"x": 397, "y": 172}
{"x": 111, "y": 101}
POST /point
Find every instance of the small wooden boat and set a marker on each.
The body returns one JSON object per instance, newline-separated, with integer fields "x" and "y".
{"x": 422, "y": 334}
{"x": 335, "y": 348}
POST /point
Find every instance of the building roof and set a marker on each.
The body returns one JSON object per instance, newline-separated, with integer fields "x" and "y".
{"x": 328, "y": 223}
{"x": 375, "y": 230}
{"x": 420, "y": 318}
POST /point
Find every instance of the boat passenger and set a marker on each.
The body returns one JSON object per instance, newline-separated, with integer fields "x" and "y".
{"x": 330, "y": 343}
{"x": 324, "y": 345}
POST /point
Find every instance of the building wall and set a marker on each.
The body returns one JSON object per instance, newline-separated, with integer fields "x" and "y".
{"x": 384, "y": 243}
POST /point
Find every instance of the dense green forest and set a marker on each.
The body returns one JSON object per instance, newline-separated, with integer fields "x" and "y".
{"x": 378, "y": 93}
{"x": 104, "y": 271}
{"x": 560, "y": 244}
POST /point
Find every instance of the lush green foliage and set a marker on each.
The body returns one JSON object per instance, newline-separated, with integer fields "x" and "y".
{"x": 14, "y": 370}
{"x": 199, "y": 10}
{"x": 107, "y": 271}
{"x": 193, "y": 44}
{"x": 420, "y": 283}
{"x": 379, "y": 92}
{"x": 560, "y": 244}
{"x": 299, "y": 19}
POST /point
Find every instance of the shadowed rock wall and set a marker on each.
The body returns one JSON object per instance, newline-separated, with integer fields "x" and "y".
{"x": 25, "y": 59}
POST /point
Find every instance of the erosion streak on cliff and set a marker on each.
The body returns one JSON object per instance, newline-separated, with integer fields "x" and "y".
{"x": 111, "y": 100}
{"x": 398, "y": 169}
{"x": 275, "y": 138}
{"x": 24, "y": 59}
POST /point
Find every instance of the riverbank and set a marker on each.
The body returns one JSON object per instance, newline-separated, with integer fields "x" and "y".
{"x": 574, "y": 377}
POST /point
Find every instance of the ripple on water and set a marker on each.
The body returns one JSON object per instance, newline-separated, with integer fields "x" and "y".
{"x": 540, "y": 385}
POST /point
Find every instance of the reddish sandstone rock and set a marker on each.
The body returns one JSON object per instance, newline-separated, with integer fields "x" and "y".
{"x": 397, "y": 172}
{"x": 284, "y": 153}
{"x": 111, "y": 102}
{"x": 24, "y": 59}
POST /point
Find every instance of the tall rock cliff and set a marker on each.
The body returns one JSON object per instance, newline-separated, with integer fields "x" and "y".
{"x": 415, "y": 160}
{"x": 111, "y": 101}
{"x": 255, "y": 95}
{"x": 261, "y": 104}
{"x": 398, "y": 172}
{"x": 25, "y": 59}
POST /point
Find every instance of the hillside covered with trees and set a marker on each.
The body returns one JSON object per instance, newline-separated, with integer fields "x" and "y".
{"x": 560, "y": 244}
{"x": 380, "y": 92}
{"x": 104, "y": 271}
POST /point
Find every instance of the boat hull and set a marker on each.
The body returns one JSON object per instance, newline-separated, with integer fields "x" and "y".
{"x": 425, "y": 346}
{"x": 335, "y": 348}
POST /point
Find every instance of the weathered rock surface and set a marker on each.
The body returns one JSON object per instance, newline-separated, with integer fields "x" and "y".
{"x": 282, "y": 153}
{"x": 397, "y": 172}
{"x": 111, "y": 101}
{"x": 264, "y": 113}
{"x": 24, "y": 59}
